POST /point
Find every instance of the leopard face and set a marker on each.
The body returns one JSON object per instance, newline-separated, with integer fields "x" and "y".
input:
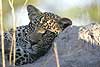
{"x": 47, "y": 21}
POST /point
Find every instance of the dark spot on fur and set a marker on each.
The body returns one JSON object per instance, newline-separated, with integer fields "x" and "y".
{"x": 25, "y": 34}
{"x": 25, "y": 55}
{"x": 19, "y": 34}
{"x": 19, "y": 54}
{"x": 22, "y": 58}
{"x": 23, "y": 30}
{"x": 18, "y": 29}
{"x": 18, "y": 49}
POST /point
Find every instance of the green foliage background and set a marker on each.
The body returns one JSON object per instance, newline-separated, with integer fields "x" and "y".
{"x": 6, "y": 9}
{"x": 74, "y": 12}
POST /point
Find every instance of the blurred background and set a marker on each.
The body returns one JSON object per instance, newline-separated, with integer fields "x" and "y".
{"x": 81, "y": 12}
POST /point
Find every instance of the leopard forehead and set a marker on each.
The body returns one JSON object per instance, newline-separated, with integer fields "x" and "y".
{"x": 49, "y": 21}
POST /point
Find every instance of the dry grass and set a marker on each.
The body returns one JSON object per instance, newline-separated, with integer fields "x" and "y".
{"x": 2, "y": 37}
{"x": 14, "y": 34}
{"x": 56, "y": 54}
{"x": 14, "y": 28}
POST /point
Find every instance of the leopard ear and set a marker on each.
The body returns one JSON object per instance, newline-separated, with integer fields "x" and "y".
{"x": 33, "y": 12}
{"x": 65, "y": 22}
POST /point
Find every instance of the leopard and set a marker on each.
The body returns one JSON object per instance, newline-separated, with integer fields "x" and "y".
{"x": 35, "y": 39}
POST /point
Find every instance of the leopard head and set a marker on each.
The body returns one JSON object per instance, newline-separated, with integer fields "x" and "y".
{"x": 46, "y": 21}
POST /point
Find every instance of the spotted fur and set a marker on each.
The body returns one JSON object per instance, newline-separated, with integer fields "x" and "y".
{"x": 35, "y": 39}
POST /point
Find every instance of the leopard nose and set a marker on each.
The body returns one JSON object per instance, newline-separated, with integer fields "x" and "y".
{"x": 65, "y": 22}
